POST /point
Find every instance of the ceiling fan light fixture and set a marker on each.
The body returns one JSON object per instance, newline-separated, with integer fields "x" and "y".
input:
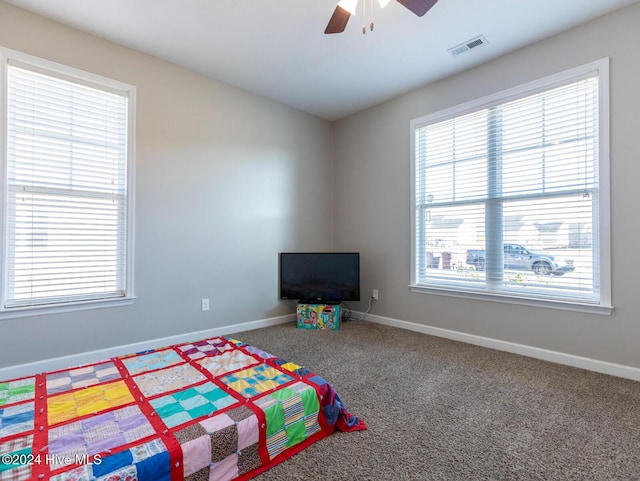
{"x": 347, "y": 9}
{"x": 348, "y": 5}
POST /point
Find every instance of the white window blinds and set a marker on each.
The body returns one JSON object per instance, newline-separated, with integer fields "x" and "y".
{"x": 507, "y": 196}
{"x": 66, "y": 182}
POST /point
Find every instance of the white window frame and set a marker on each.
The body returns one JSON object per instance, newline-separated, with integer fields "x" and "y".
{"x": 605, "y": 307}
{"x": 84, "y": 78}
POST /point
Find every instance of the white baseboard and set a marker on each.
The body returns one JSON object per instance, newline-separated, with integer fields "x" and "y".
{"x": 54, "y": 364}
{"x": 619, "y": 370}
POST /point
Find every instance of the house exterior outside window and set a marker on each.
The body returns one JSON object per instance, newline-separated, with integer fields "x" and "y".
{"x": 510, "y": 195}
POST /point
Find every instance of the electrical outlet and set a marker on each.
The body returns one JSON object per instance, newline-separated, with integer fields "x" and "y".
{"x": 205, "y": 305}
{"x": 375, "y": 294}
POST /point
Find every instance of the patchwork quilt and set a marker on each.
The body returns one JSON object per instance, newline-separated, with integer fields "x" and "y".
{"x": 216, "y": 409}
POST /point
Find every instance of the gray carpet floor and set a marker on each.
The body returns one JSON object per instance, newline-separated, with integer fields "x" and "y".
{"x": 442, "y": 410}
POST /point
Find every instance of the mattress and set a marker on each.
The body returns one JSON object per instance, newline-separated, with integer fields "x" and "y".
{"x": 214, "y": 409}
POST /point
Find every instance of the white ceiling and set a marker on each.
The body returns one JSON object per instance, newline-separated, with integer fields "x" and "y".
{"x": 277, "y": 48}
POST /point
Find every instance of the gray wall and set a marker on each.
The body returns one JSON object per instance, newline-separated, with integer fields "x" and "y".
{"x": 373, "y": 203}
{"x": 225, "y": 180}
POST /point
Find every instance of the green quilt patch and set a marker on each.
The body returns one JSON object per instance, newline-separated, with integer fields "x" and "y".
{"x": 291, "y": 416}
{"x": 16, "y": 391}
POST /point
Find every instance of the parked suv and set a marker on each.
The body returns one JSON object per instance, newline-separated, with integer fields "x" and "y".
{"x": 517, "y": 256}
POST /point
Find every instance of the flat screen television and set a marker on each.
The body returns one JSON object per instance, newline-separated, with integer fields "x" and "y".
{"x": 320, "y": 277}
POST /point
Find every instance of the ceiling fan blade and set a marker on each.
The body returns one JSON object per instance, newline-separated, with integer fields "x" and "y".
{"x": 338, "y": 21}
{"x": 419, "y": 7}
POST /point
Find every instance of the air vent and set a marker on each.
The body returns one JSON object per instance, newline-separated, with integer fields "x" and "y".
{"x": 468, "y": 45}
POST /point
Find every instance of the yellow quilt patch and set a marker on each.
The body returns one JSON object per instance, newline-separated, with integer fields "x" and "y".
{"x": 290, "y": 366}
{"x": 86, "y": 401}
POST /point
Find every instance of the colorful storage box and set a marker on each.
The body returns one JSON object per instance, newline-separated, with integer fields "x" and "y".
{"x": 318, "y": 316}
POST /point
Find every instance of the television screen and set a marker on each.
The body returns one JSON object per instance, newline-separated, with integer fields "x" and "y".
{"x": 320, "y": 277}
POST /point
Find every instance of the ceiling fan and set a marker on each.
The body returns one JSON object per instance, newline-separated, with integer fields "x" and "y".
{"x": 346, "y": 8}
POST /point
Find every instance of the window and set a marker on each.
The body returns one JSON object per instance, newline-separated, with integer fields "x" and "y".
{"x": 510, "y": 195}
{"x": 67, "y": 186}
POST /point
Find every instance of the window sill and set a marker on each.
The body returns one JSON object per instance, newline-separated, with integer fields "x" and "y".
{"x": 30, "y": 311}
{"x": 524, "y": 301}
